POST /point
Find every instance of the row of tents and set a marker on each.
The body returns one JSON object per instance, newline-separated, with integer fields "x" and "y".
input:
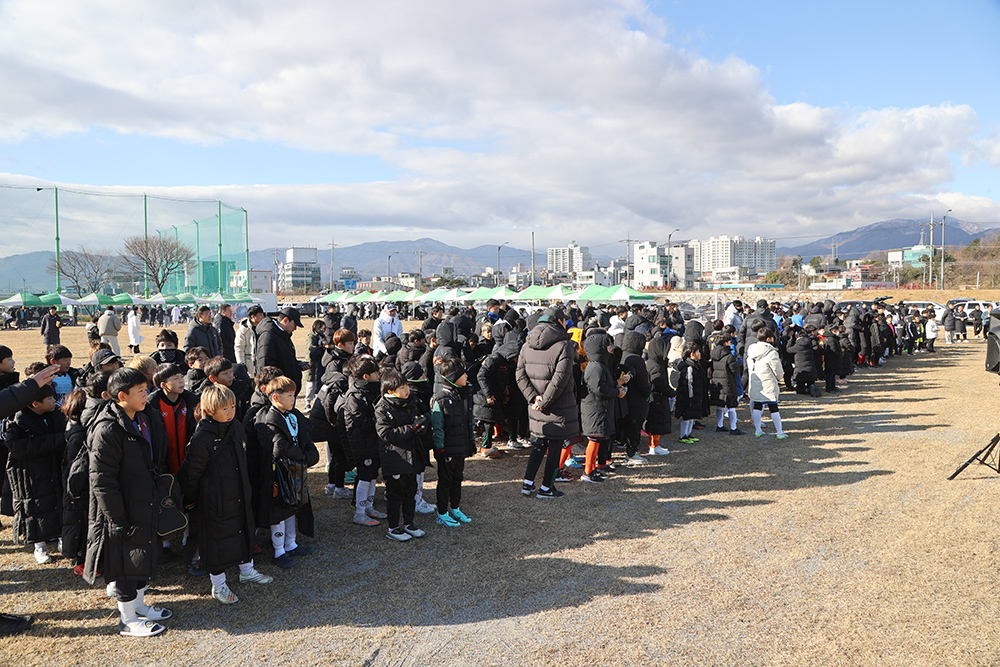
{"x": 614, "y": 294}
{"x": 124, "y": 299}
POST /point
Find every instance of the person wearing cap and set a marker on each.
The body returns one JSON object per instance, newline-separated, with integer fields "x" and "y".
{"x": 275, "y": 346}
{"x": 105, "y": 360}
{"x": 108, "y": 327}
{"x": 387, "y": 323}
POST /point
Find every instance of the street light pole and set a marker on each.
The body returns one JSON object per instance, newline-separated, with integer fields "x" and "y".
{"x": 670, "y": 255}
{"x": 388, "y": 266}
{"x": 943, "y": 217}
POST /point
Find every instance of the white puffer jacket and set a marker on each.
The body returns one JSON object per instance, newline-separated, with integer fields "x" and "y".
{"x": 765, "y": 371}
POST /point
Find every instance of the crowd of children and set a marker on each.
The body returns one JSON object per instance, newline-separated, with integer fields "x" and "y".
{"x": 88, "y": 459}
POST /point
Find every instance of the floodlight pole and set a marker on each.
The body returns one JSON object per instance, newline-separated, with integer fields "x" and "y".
{"x": 246, "y": 244}
{"x": 221, "y": 286}
{"x": 943, "y": 217}
{"x": 58, "y": 277}
{"x": 197, "y": 241}
{"x": 145, "y": 240}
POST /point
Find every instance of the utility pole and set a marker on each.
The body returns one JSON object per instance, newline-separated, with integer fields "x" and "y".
{"x": 930, "y": 258}
{"x": 943, "y": 217}
{"x": 532, "y": 259}
{"x": 332, "y": 246}
{"x": 420, "y": 266}
{"x": 628, "y": 253}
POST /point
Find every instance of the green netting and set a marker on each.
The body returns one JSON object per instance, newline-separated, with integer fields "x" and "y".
{"x": 211, "y": 239}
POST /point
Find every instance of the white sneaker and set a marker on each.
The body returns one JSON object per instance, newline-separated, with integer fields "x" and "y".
{"x": 658, "y": 451}
{"x": 255, "y": 577}
{"x": 342, "y": 494}
{"x": 42, "y": 554}
{"x": 224, "y": 595}
{"x": 110, "y": 590}
{"x": 637, "y": 460}
{"x": 424, "y": 507}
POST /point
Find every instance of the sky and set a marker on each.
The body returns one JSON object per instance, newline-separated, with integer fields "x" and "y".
{"x": 479, "y": 123}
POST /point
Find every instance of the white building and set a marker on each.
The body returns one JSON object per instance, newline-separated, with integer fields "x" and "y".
{"x": 593, "y": 277}
{"x": 260, "y": 282}
{"x": 571, "y": 259}
{"x": 656, "y": 265}
{"x": 758, "y": 255}
{"x": 300, "y": 272}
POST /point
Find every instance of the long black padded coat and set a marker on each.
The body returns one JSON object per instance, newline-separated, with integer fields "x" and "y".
{"x": 545, "y": 369}
{"x": 692, "y": 390}
{"x": 637, "y": 398}
{"x": 658, "y": 418}
{"x": 276, "y": 441}
{"x": 725, "y": 368}
{"x": 34, "y": 467}
{"x": 401, "y": 449}
{"x": 494, "y": 381}
{"x": 597, "y": 408}
{"x": 123, "y": 467}
{"x": 215, "y": 475}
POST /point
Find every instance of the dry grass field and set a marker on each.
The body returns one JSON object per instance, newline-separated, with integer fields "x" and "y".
{"x": 843, "y": 545}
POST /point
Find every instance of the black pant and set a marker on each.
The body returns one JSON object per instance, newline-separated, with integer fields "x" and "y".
{"x": 632, "y": 435}
{"x": 449, "y": 486}
{"x": 930, "y": 344}
{"x": 831, "y": 381}
{"x": 128, "y": 589}
{"x": 338, "y": 464}
{"x": 400, "y": 491}
{"x": 538, "y": 449}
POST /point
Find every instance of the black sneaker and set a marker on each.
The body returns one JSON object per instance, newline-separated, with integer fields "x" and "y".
{"x": 564, "y": 475}
{"x": 526, "y": 488}
{"x": 737, "y": 431}
{"x": 549, "y": 493}
{"x": 11, "y": 624}
{"x": 594, "y": 477}
{"x": 721, "y": 429}
{"x": 699, "y": 426}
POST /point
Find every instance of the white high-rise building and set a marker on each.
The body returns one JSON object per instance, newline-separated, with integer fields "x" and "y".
{"x": 571, "y": 259}
{"x": 758, "y": 255}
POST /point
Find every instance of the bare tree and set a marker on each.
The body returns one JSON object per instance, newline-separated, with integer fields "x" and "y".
{"x": 86, "y": 270}
{"x": 160, "y": 257}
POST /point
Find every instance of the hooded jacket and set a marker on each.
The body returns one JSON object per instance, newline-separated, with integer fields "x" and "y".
{"x": 545, "y": 369}
{"x": 275, "y": 348}
{"x": 386, "y": 324}
{"x": 123, "y": 467}
{"x": 399, "y": 443}
{"x": 747, "y": 335}
{"x": 203, "y": 335}
{"x": 35, "y": 469}
{"x": 765, "y": 372}
{"x": 216, "y": 476}
{"x": 637, "y": 398}
{"x": 493, "y": 380}
{"x": 692, "y": 390}
{"x": 658, "y": 418}
{"x": 725, "y": 368}
{"x": 276, "y": 440}
{"x": 597, "y": 409}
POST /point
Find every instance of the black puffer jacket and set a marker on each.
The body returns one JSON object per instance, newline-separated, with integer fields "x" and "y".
{"x": 545, "y": 368}
{"x": 494, "y": 381}
{"x": 804, "y": 349}
{"x": 639, "y": 389}
{"x": 334, "y": 360}
{"x": 76, "y": 473}
{"x": 725, "y": 368}
{"x": 275, "y": 348}
{"x": 399, "y": 444}
{"x": 451, "y": 423}
{"x": 277, "y": 441}
{"x": 692, "y": 390}
{"x": 356, "y": 420}
{"x": 206, "y": 336}
{"x": 747, "y": 336}
{"x": 123, "y": 467}
{"x": 597, "y": 409}
{"x": 35, "y": 469}
{"x": 658, "y": 419}
{"x": 216, "y": 476}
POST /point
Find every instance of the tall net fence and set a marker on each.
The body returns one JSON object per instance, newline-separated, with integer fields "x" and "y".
{"x": 38, "y": 222}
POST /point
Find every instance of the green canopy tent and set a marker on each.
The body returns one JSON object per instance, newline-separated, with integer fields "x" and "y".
{"x": 435, "y": 295}
{"x": 95, "y": 299}
{"x": 163, "y": 299}
{"x": 504, "y": 292}
{"x": 481, "y": 294}
{"x": 415, "y": 296}
{"x": 56, "y": 299}
{"x": 534, "y": 293}
{"x": 22, "y": 299}
{"x": 397, "y": 296}
{"x": 331, "y": 297}
{"x": 591, "y": 293}
{"x": 625, "y": 293}
{"x": 126, "y": 299}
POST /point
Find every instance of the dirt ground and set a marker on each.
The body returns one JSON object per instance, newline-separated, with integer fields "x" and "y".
{"x": 843, "y": 545}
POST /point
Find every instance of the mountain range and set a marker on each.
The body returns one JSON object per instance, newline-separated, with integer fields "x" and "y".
{"x": 887, "y": 235}
{"x": 28, "y": 270}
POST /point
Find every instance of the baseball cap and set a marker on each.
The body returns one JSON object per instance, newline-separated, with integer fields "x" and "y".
{"x": 102, "y": 357}
{"x": 292, "y": 314}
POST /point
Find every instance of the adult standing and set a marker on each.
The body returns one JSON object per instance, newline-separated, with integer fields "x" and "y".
{"x": 108, "y": 327}
{"x": 50, "y": 327}
{"x": 388, "y": 323}
{"x": 223, "y": 323}
{"x": 949, "y": 322}
{"x": 135, "y": 336}
{"x": 545, "y": 377}
{"x": 246, "y": 336}
{"x": 275, "y": 347}
{"x": 175, "y": 314}
{"x": 332, "y": 318}
{"x": 201, "y": 333}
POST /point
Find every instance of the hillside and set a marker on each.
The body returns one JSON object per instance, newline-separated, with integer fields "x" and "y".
{"x": 886, "y": 235}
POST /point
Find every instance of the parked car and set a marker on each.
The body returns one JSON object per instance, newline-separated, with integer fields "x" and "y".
{"x": 924, "y": 305}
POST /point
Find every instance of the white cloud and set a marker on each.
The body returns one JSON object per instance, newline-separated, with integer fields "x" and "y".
{"x": 547, "y": 115}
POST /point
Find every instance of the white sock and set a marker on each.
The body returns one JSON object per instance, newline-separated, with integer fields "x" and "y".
{"x": 776, "y": 419}
{"x": 420, "y": 488}
{"x": 290, "y": 544}
{"x": 218, "y": 580}
{"x": 246, "y": 568}
{"x": 40, "y": 546}
{"x": 732, "y": 419}
{"x": 720, "y": 416}
{"x": 278, "y": 538}
{"x": 755, "y": 415}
